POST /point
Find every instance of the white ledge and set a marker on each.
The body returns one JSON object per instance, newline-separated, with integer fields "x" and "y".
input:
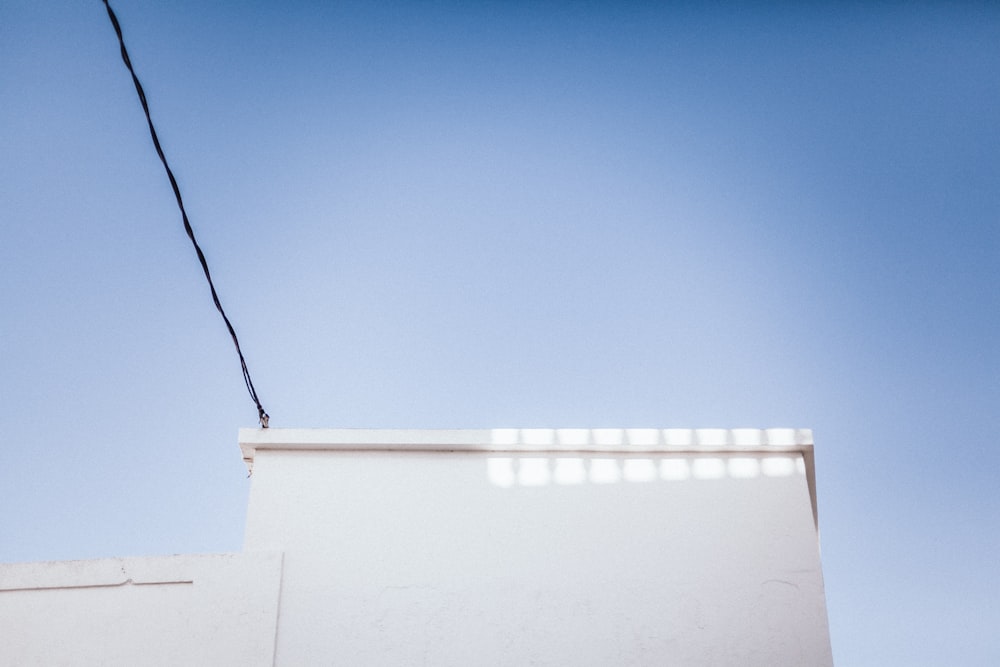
{"x": 528, "y": 440}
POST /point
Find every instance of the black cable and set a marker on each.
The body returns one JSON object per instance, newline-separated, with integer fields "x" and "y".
{"x": 263, "y": 416}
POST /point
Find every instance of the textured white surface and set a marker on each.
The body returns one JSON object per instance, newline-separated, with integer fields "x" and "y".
{"x": 171, "y": 610}
{"x": 491, "y": 547}
{"x": 517, "y": 547}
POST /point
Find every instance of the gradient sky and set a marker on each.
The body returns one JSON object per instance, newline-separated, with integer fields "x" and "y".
{"x": 445, "y": 214}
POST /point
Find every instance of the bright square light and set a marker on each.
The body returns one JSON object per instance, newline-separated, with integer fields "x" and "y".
{"x": 708, "y": 468}
{"x": 778, "y": 466}
{"x": 533, "y": 471}
{"x": 675, "y": 469}
{"x": 743, "y": 468}
{"x": 569, "y": 471}
{"x": 604, "y": 471}
{"x": 500, "y": 471}
{"x": 639, "y": 470}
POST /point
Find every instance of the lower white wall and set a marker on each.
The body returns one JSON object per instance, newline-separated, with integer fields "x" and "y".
{"x": 175, "y": 610}
{"x": 470, "y": 558}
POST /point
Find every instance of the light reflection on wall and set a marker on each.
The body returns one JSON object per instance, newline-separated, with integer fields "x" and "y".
{"x": 649, "y": 437}
{"x": 506, "y": 471}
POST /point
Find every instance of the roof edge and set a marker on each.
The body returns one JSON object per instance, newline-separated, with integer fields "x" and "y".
{"x": 618, "y": 440}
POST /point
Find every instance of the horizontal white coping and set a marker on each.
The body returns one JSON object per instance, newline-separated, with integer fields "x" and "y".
{"x": 528, "y": 440}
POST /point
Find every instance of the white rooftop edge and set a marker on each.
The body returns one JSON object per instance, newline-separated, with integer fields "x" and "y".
{"x": 616, "y": 440}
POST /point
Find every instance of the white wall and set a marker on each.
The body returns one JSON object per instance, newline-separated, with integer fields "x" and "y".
{"x": 528, "y": 547}
{"x": 502, "y": 547}
{"x": 174, "y": 610}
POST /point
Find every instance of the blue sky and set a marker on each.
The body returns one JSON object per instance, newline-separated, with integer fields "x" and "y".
{"x": 450, "y": 214}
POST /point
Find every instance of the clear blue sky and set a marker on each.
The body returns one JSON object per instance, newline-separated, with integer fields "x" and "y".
{"x": 447, "y": 214}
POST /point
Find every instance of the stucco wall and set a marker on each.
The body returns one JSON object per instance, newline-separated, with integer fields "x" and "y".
{"x": 174, "y": 610}
{"x": 399, "y": 550}
{"x": 500, "y": 547}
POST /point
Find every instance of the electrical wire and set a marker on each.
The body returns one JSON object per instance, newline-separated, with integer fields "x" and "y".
{"x": 262, "y": 415}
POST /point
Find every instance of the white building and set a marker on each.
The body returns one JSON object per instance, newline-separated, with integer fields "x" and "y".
{"x": 467, "y": 547}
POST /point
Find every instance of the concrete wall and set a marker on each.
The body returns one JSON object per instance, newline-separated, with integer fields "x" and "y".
{"x": 574, "y": 547}
{"x": 498, "y": 547}
{"x": 175, "y": 610}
